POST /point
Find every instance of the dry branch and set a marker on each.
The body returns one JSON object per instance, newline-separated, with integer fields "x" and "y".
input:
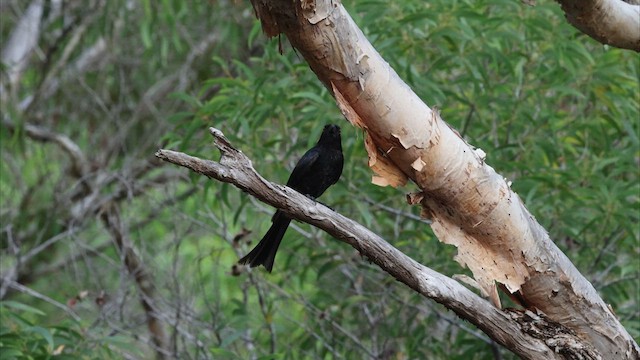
{"x": 91, "y": 202}
{"x": 20, "y": 45}
{"x": 235, "y": 168}
{"x": 144, "y": 280}
{"x": 471, "y": 205}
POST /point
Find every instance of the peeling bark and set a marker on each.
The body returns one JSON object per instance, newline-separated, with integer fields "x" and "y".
{"x": 611, "y": 22}
{"x": 235, "y": 168}
{"x": 472, "y": 206}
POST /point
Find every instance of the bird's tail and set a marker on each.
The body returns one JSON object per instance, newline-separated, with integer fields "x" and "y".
{"x": 265, "y": 252}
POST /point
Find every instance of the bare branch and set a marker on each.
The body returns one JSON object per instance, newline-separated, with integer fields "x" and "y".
{"x": 39, "y": 133}
{"x": 20, "y": 45}
{"x": 143, "y": 278}
{"x": 235, "y": 168}
{"x": 92, "y": 57}
{"x": 471, "y": 205}
{"x": 37, "y": 295}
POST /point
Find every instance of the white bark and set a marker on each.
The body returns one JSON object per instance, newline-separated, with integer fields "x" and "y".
{"x": 471, "y": 205}
{"x": 524, "y": 333}
{"x": 612, "y": 22}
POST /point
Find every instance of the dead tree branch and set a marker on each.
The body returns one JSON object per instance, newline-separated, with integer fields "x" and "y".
{"x": 472, "y": 206}
{"x": 235, "y": 168}
{"x": 90, "y": 202}
{"x": 111, "y": 220}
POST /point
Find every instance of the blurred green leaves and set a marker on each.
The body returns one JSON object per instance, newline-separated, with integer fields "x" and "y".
{"x": 556, "y": 113}
{"x": 21, "y": 338}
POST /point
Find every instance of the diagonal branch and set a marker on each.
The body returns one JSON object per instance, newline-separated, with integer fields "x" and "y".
{"x": 505, "y": 327}
{"x": 471, "y": 205}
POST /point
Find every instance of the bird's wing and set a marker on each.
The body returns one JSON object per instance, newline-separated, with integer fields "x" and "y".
{"x": 303, "y": 170}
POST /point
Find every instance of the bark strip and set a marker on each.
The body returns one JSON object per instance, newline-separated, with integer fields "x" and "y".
{"x": 470, "y": 204}
{"x": 502, "y": 326}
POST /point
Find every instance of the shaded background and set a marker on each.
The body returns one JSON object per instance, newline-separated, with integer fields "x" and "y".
{"x": 107, "y": 253}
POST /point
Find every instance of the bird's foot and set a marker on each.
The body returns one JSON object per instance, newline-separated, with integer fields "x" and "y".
{"x": 319, "y": 202}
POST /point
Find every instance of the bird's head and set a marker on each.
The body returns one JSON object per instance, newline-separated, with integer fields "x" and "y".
{"x": 330, "y": 135}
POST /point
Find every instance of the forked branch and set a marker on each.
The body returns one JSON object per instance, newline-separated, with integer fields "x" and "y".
{"x": 505, "y": 327}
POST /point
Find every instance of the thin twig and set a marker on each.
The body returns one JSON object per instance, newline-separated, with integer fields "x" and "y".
{"x": 43, "y": 297}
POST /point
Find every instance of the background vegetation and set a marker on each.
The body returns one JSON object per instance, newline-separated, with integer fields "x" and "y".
{"x": 556, "y": 112}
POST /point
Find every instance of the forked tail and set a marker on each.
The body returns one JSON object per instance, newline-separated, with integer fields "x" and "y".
{"x": 265, "y": 252}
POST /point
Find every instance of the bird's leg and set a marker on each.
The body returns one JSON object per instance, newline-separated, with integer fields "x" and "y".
{"x": 319, "y": 202}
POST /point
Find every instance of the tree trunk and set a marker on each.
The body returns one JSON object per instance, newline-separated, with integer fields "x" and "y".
{"x": 611, "y": 22}
{"x": 472, "y": 207}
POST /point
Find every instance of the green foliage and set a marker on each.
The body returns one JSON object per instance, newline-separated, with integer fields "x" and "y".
{"x": 556, "y": 112}
{"x": 22, "y": 338}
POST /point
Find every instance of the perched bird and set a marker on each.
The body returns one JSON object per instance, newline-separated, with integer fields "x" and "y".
{"x": 319, "y": 168}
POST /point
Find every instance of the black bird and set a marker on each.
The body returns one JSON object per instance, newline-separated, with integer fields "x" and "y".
{"x": 319, "y": 168}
